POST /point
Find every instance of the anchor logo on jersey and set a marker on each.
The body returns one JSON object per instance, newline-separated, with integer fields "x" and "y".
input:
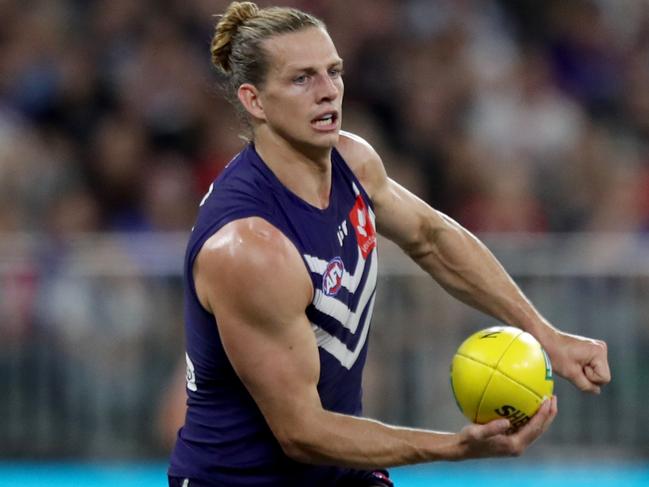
{"x": 332, "y": 279}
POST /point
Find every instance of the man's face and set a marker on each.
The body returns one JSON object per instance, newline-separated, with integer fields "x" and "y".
{"x": 303, "y": 91}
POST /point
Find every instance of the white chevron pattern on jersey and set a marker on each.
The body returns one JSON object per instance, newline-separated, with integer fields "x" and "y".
{"x": 338, "y": 349}
{"x": 349, "y": 282}
{"x": 329, "y": 305}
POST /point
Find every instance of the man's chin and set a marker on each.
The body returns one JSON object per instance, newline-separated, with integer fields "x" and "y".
{"x": 327, "y": 140}
{"x": 316, "y": 149}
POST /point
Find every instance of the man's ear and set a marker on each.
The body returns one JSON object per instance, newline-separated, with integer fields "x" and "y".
{"x": 249, "y": 97}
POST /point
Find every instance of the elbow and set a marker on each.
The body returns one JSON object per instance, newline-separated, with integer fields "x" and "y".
{"x": 444, "y": 251}
{"x": 294, "y": 449}
{"x": 419, "y": 244}
{"x": 428, "y": 239}
{"x": 298, "y": 444}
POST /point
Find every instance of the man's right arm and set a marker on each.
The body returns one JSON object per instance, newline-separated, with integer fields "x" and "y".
{"x": 251, "y": 277}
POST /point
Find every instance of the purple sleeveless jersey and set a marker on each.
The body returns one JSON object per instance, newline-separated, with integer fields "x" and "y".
{"x": 225, "y": 440}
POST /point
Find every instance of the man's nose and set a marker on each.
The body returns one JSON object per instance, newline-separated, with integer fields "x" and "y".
{"x": 328, "y": 90}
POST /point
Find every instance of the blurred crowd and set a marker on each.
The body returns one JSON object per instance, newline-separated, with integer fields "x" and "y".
{"x": 510, "y": 115}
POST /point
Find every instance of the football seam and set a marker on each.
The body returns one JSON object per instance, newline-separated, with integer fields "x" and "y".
{"x": 495, "y": 369}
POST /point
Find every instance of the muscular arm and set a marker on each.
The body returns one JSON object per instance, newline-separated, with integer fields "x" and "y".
{"x": 463, "y": 266}
{"x": 253, "y": 280}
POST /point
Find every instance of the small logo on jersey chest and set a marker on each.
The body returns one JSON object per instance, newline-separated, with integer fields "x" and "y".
{"x": 342, "y": 232}
{"x": 332, "y": 278}
{"x": 365, "y": 233}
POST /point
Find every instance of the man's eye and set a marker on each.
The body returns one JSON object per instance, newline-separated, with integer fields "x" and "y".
{"x": 300, "y": 80}
{"x": 335, "y": 72}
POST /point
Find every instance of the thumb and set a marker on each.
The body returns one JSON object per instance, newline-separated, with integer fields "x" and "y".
{"x": 583, "y": 379}
{"x": 591, "y": 373}
{"x": 598, "y": 372}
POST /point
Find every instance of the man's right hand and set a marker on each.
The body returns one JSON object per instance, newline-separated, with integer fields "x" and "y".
{"x": 494, "y": 439}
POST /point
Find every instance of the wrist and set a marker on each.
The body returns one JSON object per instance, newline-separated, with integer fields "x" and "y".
{"x": 548, "y": 337}
{"x": 541, "y": 329}
{"x": 460, "y": 450}
{"x": 452, "y": 448}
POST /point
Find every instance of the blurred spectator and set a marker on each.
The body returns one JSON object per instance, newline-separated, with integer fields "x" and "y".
{"x": 510, "y": 115}
{"x": 97, "y": 95}
{"x": 503, "y": 198}
{"x": 586, "y": 55}
{"x": 525, "y": 115}
{"x": 170, "y": 200}
{"x": 117, "y": 171}
{"x": 74, "y": 211}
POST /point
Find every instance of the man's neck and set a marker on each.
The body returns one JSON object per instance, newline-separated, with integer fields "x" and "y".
{"x": 307, "y": 173}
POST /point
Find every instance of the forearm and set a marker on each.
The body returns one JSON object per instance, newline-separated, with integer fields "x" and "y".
{"x": 470, "y": 272}
{"x": 349, "y": 441}
{"x": 466, "y": 268}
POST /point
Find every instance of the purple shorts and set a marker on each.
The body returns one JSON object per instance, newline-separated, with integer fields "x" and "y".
{"x": 364, "y": 478}
{"x": 355, "y": 478}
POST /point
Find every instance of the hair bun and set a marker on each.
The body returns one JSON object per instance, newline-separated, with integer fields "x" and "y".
{"x": 226, "y": 28}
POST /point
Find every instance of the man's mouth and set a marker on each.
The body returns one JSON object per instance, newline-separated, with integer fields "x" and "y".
{"x": 326, "y": 121}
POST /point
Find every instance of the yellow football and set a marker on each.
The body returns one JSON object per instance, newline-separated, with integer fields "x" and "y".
{"x": 501, "y": 372}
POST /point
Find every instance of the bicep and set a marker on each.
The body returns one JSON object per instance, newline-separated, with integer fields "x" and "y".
{"x": 258, "y": 288}
{"x": 277, "y": 361}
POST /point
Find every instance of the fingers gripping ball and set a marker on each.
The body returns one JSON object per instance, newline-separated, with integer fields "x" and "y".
{"x": 501, "y": 372}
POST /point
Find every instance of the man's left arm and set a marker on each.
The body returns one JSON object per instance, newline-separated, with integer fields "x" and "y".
{"x": 465, "y": 268}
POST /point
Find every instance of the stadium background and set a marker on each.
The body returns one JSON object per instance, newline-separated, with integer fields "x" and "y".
{"x": 527, "y": 121}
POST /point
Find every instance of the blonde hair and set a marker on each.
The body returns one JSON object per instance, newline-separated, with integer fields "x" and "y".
{"x": 236, "y": 47}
